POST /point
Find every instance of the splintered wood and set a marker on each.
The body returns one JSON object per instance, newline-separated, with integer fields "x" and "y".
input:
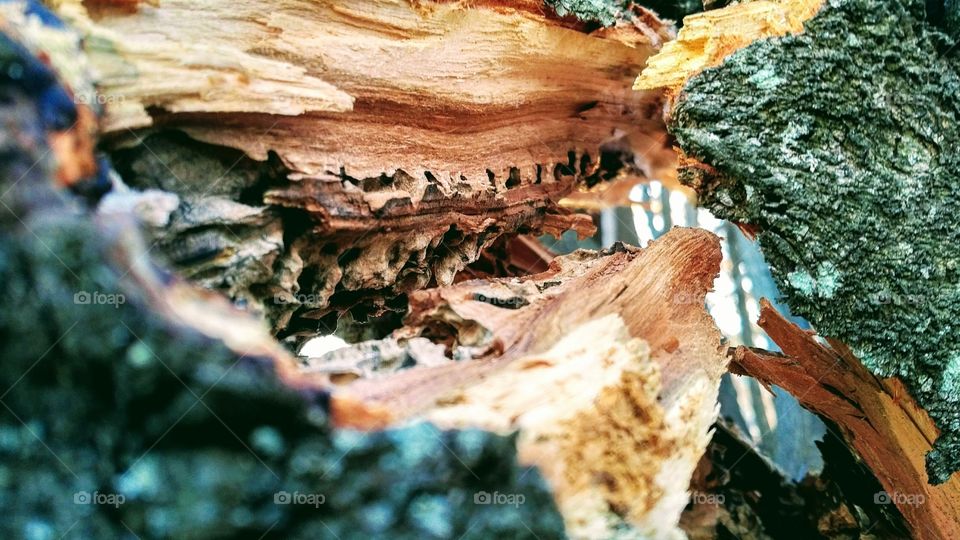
{"x": 373, "y": 87}
{"x": 885, "y": 426}
{"x": 608, "y": 365}
{"x": 709, "y": 37}
{"x": 400, "y": 139}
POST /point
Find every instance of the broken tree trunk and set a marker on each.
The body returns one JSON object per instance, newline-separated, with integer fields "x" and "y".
{"x": 165, "y": 381}
{"x": 357, "y": 151}
{"x": 167, "y": 399}
{"x": 136, "y": 405}
{"x": 311, "y": 158}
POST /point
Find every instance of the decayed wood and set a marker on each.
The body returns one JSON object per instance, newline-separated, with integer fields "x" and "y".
{"x": 607, "y": 364}
{"x": 403, "y": 137}
{"x": 879, "y": 419}
{"x": 617, "y": 431}
{"x": 510, "y": 256}
{"x": 133, "y": 370}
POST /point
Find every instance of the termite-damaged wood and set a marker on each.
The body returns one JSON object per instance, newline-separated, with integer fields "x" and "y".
{"x": 606, "y": 363}
{"x": 382, "y": 144}
{"x": 879, "y": 419}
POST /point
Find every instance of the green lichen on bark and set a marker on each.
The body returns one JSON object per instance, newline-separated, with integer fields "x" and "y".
{"x": 840, "y": 144}
{"x": 604, "y": 12}
{"x": 607, "y": 12}
{"x": 119, "y": 422}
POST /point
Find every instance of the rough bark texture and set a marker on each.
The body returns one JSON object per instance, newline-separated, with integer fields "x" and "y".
{"x": 877, "y": 418}
{"x": 361, "y": 150}
{"x": 837, "y": 145}
{"x": 607, "y": 12}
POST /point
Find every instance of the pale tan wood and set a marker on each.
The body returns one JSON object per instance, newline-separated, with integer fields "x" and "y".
{"x": 375, "y": 86}
{"x": 709, "y": 37}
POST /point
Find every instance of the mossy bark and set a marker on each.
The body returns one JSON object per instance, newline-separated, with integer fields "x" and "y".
{"x": 839, "y": 145}
{"x": 607, "y": 12}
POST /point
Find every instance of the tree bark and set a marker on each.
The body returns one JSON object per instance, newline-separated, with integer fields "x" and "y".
{"x": 848, "y": 185}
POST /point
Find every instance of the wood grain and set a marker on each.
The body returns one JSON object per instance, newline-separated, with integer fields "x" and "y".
{"x": 879, "y": 418}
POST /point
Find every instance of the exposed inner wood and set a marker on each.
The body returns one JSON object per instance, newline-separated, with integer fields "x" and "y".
{"x": 102, "y": 391}
{"x": 383, "y": 144}
{"x": 586, "y": 410}
{"x": 375, "y": 87}
{"x": 607, "y": 364}
{"x": 879, "y": 419}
